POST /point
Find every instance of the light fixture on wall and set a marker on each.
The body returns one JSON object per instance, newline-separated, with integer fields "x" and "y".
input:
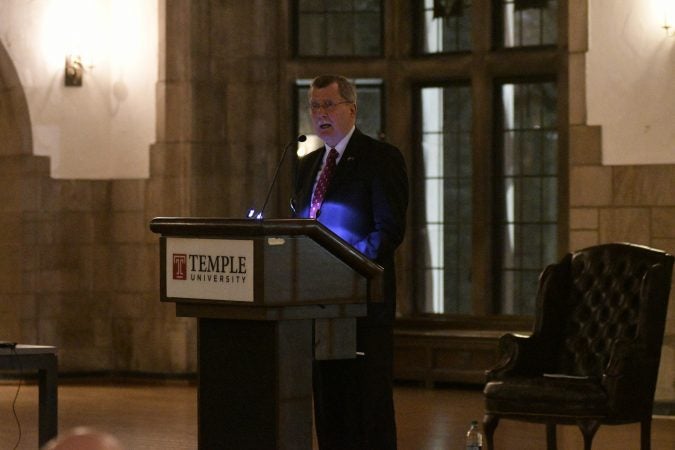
{"x": 668, "y": 16}
{"x": 74, "y": 70}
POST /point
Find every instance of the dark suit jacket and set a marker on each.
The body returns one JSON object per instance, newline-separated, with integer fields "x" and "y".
{"x": 365, "y": 204}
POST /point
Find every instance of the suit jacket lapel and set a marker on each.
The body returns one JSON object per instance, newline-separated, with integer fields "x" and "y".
{"x": 345, "y": 167}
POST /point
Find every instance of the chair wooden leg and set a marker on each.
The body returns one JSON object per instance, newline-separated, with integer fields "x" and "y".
{"x": 490, "y": 423}
{"x": 588, "y": 429}
{"x": 551, "y": 437}
{"x": 646, "y": 433}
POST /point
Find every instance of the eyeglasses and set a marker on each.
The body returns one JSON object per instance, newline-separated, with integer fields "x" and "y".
{"x": 328, "y": 106}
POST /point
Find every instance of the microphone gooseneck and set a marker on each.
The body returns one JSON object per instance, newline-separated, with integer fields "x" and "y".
{"x": 301, "y": 138}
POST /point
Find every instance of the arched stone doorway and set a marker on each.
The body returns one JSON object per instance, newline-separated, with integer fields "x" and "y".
{"x": 15, "y": 131}
{"x": 20, "y": 175}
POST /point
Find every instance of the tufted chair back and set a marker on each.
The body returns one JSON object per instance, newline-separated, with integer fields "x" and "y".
{"x": 603, "y": 305}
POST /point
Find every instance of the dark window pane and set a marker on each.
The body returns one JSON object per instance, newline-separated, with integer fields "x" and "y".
{"x": 530, "y": 153}
{"x": 549, "y": 243}
{"x": 464, "y": 163}
{"x": 339, "y": 36}
{"x": 367, "y": 5}
{"x": 530, "y": 248}
{"x": 550, "y": 195}
{"x": 367, "y": 34}
{"x": 529, "y": 23}
{"x": 531, "y": 199}
{"x": 549, "y": 26}
{"x": 339, "y": 28}
{"x": 338, "y": 5}
{"x": 311, "y": 5}
{"x": 369, "y": 118}
{"x": 311, "y": 37}
{"x": 549, "y": 150}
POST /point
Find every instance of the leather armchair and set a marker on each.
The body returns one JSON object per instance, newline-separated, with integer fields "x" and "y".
{"x": 594, "y": 353}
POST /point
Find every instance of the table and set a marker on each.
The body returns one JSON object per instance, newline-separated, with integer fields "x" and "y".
{"x": 41, "y": 358}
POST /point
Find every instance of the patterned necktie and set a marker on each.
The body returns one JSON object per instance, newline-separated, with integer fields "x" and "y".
{"x": 323, "y": 182}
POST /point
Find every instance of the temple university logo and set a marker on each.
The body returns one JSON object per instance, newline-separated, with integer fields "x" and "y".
{"x": 213, "y": 269}
{"x": 179, "y": 266}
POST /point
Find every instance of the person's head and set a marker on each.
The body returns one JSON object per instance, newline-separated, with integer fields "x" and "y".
{"x": 332, "y": 105}
{"x": 83, "y": 438}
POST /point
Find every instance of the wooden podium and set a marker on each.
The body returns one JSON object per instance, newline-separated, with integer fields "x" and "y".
{"x": 270, "y": 296}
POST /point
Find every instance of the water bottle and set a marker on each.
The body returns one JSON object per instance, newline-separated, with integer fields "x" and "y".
{"x": 474, "y": 438}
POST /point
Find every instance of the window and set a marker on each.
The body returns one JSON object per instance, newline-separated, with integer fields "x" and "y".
{"x": 488, "y": 159}
{"x": 527, "y": 191}
{"x": 339, "y": 28}
{"x": 445, "y": 235}
{"x": 526, "y": 188}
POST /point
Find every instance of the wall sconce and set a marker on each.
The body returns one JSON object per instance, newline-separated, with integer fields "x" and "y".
{"x": 668, "y": 16}
{"x": 74, "y": 70}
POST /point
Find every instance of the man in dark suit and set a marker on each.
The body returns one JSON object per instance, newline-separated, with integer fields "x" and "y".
{"x": 364, "y": 201}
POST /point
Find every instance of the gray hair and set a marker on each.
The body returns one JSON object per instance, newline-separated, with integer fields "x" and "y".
{"x": 345, "y": 87}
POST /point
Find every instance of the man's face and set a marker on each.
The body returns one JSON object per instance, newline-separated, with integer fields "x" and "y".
{"x": 332, "y": 117}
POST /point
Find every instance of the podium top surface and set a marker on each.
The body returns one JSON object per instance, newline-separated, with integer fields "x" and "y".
{"x": 203, "y": 227}
{"x": 187, "y": 226}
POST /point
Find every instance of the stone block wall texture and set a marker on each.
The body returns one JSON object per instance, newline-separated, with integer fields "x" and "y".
{"x": 80, "y": 271}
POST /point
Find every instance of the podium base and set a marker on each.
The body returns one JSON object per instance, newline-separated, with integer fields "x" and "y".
{"x": 255, "y": 384}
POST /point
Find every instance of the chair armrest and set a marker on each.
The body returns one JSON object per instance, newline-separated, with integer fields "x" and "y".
{"x": 519, "y": 355}
{"x": 530, "y": 356}
{"x": 626, "y": 378}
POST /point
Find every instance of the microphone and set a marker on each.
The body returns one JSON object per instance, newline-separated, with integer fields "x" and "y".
{"x": 251, "y": 213}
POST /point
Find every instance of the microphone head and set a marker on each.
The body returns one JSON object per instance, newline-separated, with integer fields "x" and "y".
{"x": 302, "y": 138}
